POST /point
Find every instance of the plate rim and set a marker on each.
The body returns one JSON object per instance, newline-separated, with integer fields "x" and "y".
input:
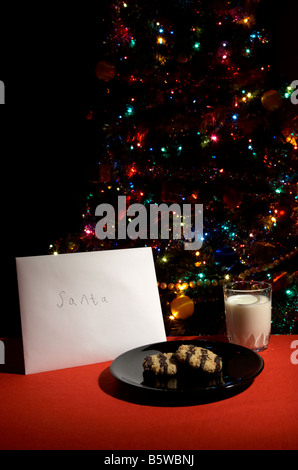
{"x": 238, "y": 382}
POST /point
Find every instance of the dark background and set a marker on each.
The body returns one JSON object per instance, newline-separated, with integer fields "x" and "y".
{"x": 48, "y": 148}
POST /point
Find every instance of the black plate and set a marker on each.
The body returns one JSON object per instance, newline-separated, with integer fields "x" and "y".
{"x": 240, "y": 367}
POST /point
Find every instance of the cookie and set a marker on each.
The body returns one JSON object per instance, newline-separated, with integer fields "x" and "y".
{"x": 199, "y": 358}
{"x": 161, "y": 364}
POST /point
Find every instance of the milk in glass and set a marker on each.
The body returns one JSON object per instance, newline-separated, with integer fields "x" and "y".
{"x": 248, "y": 319}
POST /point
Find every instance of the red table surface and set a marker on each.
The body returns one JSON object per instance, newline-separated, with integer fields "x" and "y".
{"x": 87, "y": 408}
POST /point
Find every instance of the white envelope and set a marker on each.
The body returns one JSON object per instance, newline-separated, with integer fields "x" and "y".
{"x": 84, "y": 308}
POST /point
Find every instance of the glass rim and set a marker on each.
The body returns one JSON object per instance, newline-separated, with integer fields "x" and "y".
{"x": 260, "y": 286}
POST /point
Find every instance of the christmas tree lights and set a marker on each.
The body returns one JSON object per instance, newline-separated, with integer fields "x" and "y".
{"x": 189, "y": 114}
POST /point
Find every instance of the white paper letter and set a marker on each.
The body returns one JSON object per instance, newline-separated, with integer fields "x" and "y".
{"x": 83, "y": 308}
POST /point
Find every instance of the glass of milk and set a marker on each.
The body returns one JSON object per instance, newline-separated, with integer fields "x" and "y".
{"x": 248, "y": 313}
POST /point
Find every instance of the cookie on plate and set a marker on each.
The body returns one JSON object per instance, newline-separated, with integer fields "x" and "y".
{"x": 199, "y": 358}
{"x": 161, "y": 364}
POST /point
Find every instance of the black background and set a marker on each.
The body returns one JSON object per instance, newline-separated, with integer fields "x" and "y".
{"x": 47, "y": 147}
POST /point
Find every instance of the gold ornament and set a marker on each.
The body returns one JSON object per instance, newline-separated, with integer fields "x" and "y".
{"x": 271, "y": 100}
{"x": 105, "y": 70}
{"x": 182, "y": 307}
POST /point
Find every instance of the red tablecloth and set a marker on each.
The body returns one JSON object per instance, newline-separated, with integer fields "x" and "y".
{"x": 86, "y": 408}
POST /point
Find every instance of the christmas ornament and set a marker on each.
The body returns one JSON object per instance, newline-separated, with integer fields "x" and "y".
{"x": 271, "y": 100}
{"x": 284, "y": 211}
{"x": 182, "y": 307}
{"x": 105, "y": 70}
{"x": 183, "y": 58}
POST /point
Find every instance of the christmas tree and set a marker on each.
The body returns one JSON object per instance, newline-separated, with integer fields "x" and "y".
{"x": 187, "y": 109}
